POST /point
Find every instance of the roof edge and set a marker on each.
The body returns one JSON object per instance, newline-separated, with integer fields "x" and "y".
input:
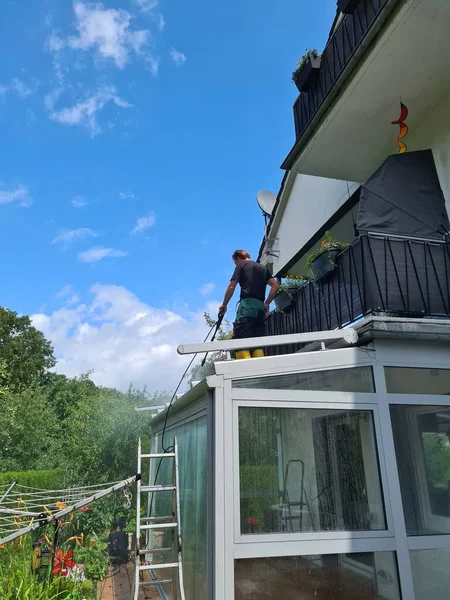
{"x": 190, "y": 397}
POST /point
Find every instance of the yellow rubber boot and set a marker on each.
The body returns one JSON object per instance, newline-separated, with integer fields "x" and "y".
{"x": 258, "y": 353}
{"x": 242, "y": 354}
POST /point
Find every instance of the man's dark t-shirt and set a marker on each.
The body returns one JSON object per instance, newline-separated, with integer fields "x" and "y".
{"x": 252, "y": 278}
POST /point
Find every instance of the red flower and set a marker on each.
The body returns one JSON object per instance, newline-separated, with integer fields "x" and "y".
{"x": 252, "y": 521}
{"x": 84, "y": 508}
{"x": 62, "y": 563}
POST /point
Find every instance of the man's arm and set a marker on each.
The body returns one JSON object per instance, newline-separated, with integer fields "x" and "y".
{"x": 228, "y": 295}
{"x": 274, "y": 285}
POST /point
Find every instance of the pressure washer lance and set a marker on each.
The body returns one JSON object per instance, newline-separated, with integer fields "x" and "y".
{"x": 218, "y": 324}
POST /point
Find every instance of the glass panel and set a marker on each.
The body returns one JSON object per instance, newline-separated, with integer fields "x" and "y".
{"x": 422, "y": 446}
{"x": 355, "y": 380}
{"x": 431, "y": 574}
{"x": 193, "y": 464}
{"x": 322, "y": 577}
{"x": 406, "y": 380}
{"x": 308, "y": 470}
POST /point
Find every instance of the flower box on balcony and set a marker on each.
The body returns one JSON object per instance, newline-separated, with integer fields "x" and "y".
{"x": 288, "y": 290}
{"x": 307, "y": 71}
{"x": 347, "y": 6}
{"x": 324, "y": 263}
{"x": 284, "y": 298}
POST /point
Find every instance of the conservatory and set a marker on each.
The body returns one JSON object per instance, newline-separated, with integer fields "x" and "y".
{"x": 322, "y": 474}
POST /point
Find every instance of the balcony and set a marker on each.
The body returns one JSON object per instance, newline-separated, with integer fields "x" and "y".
{"x": 340, "y": 49}
{"x": 343, "y": 124}
{"x": 375, "y": 275}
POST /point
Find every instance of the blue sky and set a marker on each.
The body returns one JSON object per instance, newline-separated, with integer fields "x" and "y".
{"x": 135, "y": 136}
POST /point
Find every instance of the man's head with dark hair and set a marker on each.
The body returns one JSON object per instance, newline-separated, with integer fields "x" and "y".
{"x": 240, "y": 255}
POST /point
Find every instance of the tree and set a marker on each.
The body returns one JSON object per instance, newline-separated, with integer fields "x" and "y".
{"x": 199, "y": 372}
{"x": 30, "y": 434}
{"x": 101, "y": 435}
{"x": 64, "y": 394}
{"x": 24, "y": 351}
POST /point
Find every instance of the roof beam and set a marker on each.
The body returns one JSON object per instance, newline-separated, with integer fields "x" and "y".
{"x": 348, "y": 335}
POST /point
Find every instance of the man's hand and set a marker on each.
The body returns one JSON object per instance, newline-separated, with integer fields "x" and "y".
{"x": 222, "y": 310}
{"x": 267, "y": 308}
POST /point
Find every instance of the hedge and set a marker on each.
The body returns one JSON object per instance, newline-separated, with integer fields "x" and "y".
{"x": 46, "y": 480}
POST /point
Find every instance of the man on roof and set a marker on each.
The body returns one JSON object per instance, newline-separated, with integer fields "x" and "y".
{"x": 253, "y": 278}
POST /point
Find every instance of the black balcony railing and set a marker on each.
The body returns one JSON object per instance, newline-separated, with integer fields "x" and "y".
{"x": 342, "y": 45}
{"x": 375, "y": 275}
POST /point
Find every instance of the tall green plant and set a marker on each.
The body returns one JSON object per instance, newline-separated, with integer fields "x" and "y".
{"x": 18, "y": 582}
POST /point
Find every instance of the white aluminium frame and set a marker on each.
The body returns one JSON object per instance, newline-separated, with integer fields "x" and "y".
{"x": 230, "y": 544}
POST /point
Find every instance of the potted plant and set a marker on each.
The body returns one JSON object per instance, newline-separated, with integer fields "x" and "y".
{"x": 347, "y": 6}
{"x": 288, "y": 289}
{"x": 307, "y": 70}
{"x": 322, "y": 261}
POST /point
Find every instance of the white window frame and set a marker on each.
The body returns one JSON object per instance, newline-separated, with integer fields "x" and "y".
{"x": 228, "y": 546}
{"x": 302, "y": 400}
{"x": 437, "y": 522}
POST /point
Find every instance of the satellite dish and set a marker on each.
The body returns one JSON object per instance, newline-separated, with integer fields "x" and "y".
{"x": 266, "y": 202}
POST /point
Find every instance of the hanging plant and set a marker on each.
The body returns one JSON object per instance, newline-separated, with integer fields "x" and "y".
{"x": 288, "y": 289}
{"x": 307, "y": 70}
{"x": 322, "y": 261}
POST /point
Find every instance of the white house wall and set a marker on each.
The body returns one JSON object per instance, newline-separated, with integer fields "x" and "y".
{"x": 434, "y": 132}
{"x": 311, "y": 203}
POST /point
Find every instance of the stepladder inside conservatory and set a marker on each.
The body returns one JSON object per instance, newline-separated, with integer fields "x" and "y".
{"x": 158, "y": 553}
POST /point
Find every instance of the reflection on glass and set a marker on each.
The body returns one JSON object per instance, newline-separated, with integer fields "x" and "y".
{"x": 356, "y": 380}
{"x": 422, "y": 446}
{"x": 308, "y": 470}
{"x": 431, "y": 573}
{"x": 407, "y": 380}
{"x": 372, "y": 575}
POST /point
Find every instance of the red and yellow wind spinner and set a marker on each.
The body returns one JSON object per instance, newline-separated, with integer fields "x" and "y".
{"x": 403, "y": 128}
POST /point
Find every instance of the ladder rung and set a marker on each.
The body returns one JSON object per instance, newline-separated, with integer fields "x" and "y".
{"x": 156, "y": 518}
{"x": 159, "y": 526}
{"x": 161, "y": 455}
{"x": 158, "y": 488}
{"x": 152, "y": 566}
{"x": 153, "y": 551}
{"x": 156, "y": 582}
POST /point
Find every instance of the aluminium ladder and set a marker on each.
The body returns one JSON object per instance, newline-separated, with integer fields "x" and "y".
{"x": 150, "y": 524}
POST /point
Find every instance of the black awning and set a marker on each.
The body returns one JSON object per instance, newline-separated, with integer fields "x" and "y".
{"x": 404, "y": 197}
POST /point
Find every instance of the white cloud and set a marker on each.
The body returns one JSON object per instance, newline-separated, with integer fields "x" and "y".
{"x": 144, "y": 223}
{"x": 79, "y": 202}
{"x": 84, "y": 112}
{"x": 146, "y": 5}
{"x": 19, "y": 87}
{"x": 96, "y": 254}
{"x": 68, "y": 294}
{"x": 67, "y": 236}
{"x": 127, "y": 195}
{"x": 152, "y": 63}
{"x": 161, "y": 22}
{"x": 19, "y": 193}
{"x": 207, "y": 288}
{"x": 121, "y": 338}
{"x": 55, "y": 43}
{"x": 106, "y": 31}
{"x": 178, "y": 57}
